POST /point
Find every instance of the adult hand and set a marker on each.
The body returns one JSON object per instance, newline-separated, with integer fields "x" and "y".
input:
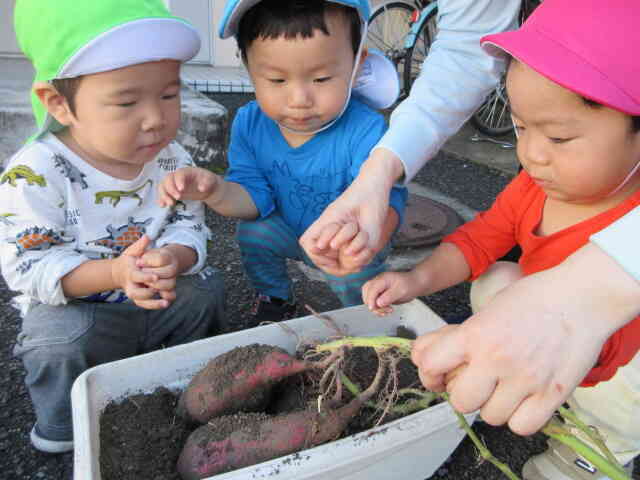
{"x": 350, "y": 256}
{"x": 527, "y": 350}
{"x": 365, "y": 203}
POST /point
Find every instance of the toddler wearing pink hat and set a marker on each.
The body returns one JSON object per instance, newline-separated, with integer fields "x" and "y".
{"x": 575, "y": 98}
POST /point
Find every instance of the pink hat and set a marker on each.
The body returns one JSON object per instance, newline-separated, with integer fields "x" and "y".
{"x": 587, "y": 46}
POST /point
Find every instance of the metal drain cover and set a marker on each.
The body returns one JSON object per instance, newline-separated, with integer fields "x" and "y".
{"x": 425, "y": 222}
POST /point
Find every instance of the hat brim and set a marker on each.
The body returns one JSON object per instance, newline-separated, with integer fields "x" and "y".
{"x": 235, "y": 9}
{"x": 139, "y": 41}
{"x": 560, "y": 65}
{"x": 377, "y": 83}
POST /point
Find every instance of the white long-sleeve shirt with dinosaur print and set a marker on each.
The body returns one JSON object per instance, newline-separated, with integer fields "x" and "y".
{"x": 57, "y": 212}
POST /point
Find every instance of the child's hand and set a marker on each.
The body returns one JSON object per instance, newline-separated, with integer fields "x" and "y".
{"x": 188, "y": 183}
{"x": 135, "y": 282}
{"x": 347, "y": 249}
{"x": 163, "y": 264}
{"x": 354, "y": 252}
{"x": 388, "y": 288}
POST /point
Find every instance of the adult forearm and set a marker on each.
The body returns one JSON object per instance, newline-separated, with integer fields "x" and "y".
{"x": 600, "y": 282}
{"x": 383, "y": 168}
{"x": 232, "y": 200}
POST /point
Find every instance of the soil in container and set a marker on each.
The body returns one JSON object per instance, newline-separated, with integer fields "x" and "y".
{"x": 142, "y": 436}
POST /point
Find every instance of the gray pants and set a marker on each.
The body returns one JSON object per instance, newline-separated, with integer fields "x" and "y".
{"x": 58, "y": 343}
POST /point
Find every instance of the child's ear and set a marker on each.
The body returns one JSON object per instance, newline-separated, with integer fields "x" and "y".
{"x": 363, "y": 56}
{"x": 53, "y": 102}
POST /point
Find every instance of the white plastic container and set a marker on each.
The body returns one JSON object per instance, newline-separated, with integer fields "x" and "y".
{"x": 410, "y": 448}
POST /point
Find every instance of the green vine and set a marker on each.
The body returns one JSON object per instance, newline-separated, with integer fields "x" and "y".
{"x": 605, "y": 462}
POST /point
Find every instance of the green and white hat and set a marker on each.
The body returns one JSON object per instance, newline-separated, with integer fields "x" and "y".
{"x": 70, "y": 38}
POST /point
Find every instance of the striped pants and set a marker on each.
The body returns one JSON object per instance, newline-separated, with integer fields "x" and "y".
{"x": 265, "y": 246}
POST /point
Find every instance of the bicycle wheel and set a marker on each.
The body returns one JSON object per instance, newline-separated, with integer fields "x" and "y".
{"x": 494, "y": 115}
{"x": 418, "y": 52}
{"x": 389, "y": 25}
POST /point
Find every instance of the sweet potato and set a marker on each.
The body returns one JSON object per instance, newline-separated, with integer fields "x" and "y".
{"x": 231, "y": 442}
{"x": 238, "y": 380}
{"x": 210, "y": 450}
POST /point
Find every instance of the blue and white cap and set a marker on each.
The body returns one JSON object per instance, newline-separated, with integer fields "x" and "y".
{"x": 376, "y": 83}
{"x": 235, "y": 9}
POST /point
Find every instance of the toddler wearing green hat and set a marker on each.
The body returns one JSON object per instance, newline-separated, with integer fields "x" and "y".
{"x": 104, "y": 273}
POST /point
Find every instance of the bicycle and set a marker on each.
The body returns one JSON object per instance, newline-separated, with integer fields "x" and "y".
{"x": 404, "y": 30}
{"x": 493, "y": 117}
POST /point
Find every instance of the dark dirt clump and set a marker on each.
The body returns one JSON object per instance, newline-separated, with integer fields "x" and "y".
{"x": 141, "y": 437}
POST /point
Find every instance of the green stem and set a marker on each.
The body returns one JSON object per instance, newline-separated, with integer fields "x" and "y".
{"x": 378, "y": 343}
{"x": 593, "y": 435}
{"x": 609, "y": 465}
{"x": 425, "y": 398}
{"x": 484, "y": 451}
{"x": 613, "y": 471}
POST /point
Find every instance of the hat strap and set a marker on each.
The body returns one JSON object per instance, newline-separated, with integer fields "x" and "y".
{"x": 626, "y": 179}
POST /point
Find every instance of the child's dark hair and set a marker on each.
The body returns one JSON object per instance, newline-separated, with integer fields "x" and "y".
{"x": 68, "y": 87}
{"x": 271, "y": 19}
{"x": 635, "y": 120}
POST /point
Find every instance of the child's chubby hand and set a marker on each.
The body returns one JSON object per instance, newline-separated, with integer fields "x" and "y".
{"x": 162, "y": 263}
{"x": 388, "y": 288}
{"x": 188, "y": 183}
{"x": 346, "y": 252}
{"x": 136, "y": 283}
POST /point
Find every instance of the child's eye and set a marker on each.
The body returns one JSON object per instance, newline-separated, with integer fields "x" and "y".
{"x": 559, "y": 140}
{"x": 169, "y": 97}
{"x": 322, "y": 79}
{"x": 276, "y": 80}
{"x": 128, "y": 104}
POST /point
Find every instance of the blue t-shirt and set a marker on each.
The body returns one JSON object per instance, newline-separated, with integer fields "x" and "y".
{"x": 300, "y": 182}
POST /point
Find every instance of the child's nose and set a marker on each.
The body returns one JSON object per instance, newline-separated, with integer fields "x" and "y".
{"x": 532, "y": 151}
{"x": 300, "y": 97}
{"x": 154, "y": 118}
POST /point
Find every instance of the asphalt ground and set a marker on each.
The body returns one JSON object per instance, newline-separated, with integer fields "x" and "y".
{"x": 470, "y": 183}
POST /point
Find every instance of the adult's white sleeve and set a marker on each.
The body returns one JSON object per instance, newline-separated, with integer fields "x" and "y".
{"x": 456, "y": 77}
{"x": 620, "y": 241}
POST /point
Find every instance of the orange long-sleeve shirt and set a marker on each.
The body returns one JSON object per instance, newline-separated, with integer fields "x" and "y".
{"x": 513, "y": 219}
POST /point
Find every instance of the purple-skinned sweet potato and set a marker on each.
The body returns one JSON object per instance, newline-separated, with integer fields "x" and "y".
{"x": 231, "y": 442}
{"x": 255, "y": 438}
{"x": 238, "y": 380}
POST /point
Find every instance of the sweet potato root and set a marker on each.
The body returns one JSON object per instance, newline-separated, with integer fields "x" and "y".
{"x": 238, "y": 380}
{"x": 228, "y": 443}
